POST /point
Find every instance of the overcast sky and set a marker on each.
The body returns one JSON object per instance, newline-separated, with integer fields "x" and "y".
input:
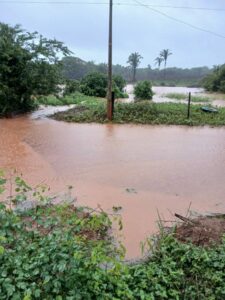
{"x": 84, "y": 27}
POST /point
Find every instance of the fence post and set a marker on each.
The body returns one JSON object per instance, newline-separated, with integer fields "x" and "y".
{"x": 189, "y": 105}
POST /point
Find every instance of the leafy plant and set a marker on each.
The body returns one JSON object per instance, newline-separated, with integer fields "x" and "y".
{"x": 66, "y": 252}
{"x": 71, "y": 87}
{"x": 143, "y": 90}
{"x": 215, "y": 82}
{"x": 94, "y": 84}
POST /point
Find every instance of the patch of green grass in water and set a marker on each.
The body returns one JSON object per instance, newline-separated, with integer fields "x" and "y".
{"x": 180, "y": 96}
{"x": 76, "y": 98}
{"x": 144, "y": 113}
{"x": 177, "y": 96}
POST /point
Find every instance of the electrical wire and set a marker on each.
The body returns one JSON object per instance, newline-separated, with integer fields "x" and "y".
{"x": 179, "y": 21}
{"x": 136, "y": 3}
{"x": 117, "y": 3}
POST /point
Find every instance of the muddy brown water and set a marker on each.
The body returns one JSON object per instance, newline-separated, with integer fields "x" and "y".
{"x": 144, "y": 169}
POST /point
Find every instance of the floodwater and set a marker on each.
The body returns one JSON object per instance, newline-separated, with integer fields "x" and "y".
{"x": 145, "y": 169}
{"x": 160, "y": 93}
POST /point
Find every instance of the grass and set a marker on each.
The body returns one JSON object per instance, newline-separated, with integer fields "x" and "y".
{"x": 76, "y": 98}
{"x": 180, "y": 96}
{"x": 216, "y": 96}
{"x": 181, "y": 82}
{"x": 144, "y": 113}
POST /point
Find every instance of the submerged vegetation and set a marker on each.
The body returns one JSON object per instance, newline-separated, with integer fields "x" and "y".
{"x": 65, "y": 252}
{"x": 143, "y": 112}
{"x": 75, "y": 98}
{"x": 194, "y": 98}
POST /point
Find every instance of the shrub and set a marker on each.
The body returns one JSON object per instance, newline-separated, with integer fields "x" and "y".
{"x": 119, "y": 84}
{"x": 119, "y": 81}
{"x": 72, "y": 86}
{"x": 143, "y": 90}
{"x": 94, "y": 84}
{"x": 215, "y": 82}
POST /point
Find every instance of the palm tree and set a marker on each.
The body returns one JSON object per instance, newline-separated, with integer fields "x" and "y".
{"x": 158, "y": 61}
{"x": 134, "y": 60}
{"x": 165, "y": 53}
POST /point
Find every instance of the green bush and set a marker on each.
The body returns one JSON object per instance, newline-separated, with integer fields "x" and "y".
{"x": 215, "y": 82}
{"x": 143, "y": 90}
{"x": 94, "y": 84}
{"x": 71, "y": 87}
{"x": 119, "y": 81}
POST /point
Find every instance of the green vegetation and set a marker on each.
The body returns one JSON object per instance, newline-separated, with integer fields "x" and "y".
{"x": 143, "y": 90}
{"x": 144, "y": 112}
{"x": 29, "y": 67}
{"x": 164, "y": 54}
{"x": 119, "y": 84}
{"x": 134, "y": 61}
{"x": 180, "y": 96}
{"x": 215, "y": 82}
{"x": 75, "y": 98}
{"x": 71, "y": 86}
{"x": 75, "y": 68}
{"x": 163, "y": 57}
{"x": 65, "y": 252}
{"x": 177, "y": 82}
{"x": 95, "y": 84}
{"x": 158, "y": 61}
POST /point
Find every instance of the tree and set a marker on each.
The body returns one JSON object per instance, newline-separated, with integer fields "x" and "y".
{"x": 164, "y": 54}
{"x": 215, "y": 82}
{"x": 134, "y": 60}
{"x": 29, "y": 66}
{"x": 158, "y": 61}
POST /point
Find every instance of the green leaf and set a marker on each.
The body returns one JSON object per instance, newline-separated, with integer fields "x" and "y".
{"x": 2, "y": 250}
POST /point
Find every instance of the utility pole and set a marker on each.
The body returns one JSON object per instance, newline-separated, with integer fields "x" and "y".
{"x": 109, "y": 94}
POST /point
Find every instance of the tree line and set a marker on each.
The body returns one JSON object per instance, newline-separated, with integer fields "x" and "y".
{"x": 76, "y": 68}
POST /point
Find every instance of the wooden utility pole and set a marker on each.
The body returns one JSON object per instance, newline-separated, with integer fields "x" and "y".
{"x": 109, "y": 94}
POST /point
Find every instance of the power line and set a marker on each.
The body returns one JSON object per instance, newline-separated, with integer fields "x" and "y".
{"x": 178, "y": 20}
{"x": 186, "y": 7}
{"x": 117, "y": 3}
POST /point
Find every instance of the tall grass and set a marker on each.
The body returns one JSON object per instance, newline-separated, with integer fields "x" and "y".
{"x": 180, "y": 96}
